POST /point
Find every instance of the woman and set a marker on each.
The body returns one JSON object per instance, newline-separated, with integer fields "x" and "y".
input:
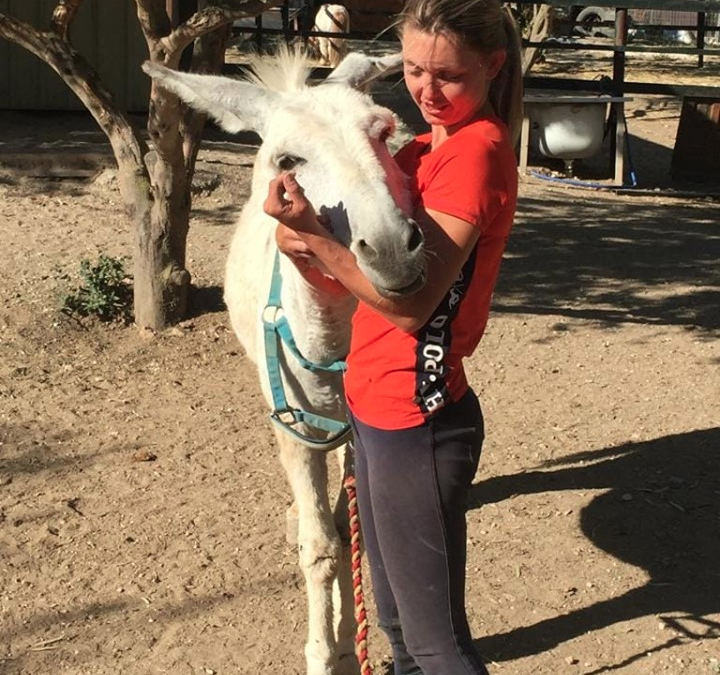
{"x": 418, "y": 426}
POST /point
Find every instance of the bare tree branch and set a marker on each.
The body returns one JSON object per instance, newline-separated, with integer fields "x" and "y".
{"x": 540, "y": 26}
{"x": 155, "y": 186}
{"x": 154, "y": 21}
{"x": 208, "y": 57}
{"x": 81, "y": 77}
{"x": 166, "y": 45}
{"x": 210, "y": 19}
{"x": 63, "y": 15}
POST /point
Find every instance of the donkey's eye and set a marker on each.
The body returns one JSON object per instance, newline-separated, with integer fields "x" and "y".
{"x": 287, "y": 162}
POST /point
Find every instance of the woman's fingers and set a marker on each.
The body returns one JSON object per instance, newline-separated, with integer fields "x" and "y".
{"x": 285, "y": 196}
{"x": 290, "y": 243}
{"x": 286, "y": 202}
{"x": 293, "y": 188}
{"x": 275, "y": 204}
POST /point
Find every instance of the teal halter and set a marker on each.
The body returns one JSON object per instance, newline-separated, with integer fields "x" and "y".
{"x": 283, "y": 416}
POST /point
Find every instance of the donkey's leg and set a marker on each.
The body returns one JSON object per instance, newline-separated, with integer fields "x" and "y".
{"x": 291, "y": 524}
{"x": 345, "y": 626}
{"x": 325, "y": 52}
{"x": 318, "y": 548}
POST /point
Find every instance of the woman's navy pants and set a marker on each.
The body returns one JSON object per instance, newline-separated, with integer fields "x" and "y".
{"x": 412, "y": 490}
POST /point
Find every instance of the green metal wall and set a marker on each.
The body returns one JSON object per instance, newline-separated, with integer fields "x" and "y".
{"x": 106, "y": 32}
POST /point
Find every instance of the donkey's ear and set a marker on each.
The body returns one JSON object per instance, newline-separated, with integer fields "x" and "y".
{"x": 233, "y": 104}
{"x": 360, "y": 71}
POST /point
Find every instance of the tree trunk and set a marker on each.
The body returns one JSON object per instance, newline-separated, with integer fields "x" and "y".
{"x": 157, "y": 281}
{"x": 161, "y": 277}
{"x": 161, "y": 280}
{"x": 128, "y": 148}
{"x": 154, "y": 185}
{"x": 82, "y": 78}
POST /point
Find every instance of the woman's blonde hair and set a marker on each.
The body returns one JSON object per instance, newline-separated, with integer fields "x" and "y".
{"x": 484, "y": 25}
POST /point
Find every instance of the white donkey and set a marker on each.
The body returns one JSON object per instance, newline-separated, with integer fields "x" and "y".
{"x": 334, "y": 137}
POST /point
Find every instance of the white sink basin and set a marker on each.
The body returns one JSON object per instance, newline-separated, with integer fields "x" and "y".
{"x": 570, "y": 130}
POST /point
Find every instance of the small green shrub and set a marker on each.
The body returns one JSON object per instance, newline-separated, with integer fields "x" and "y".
{"x": 105, "y": 292}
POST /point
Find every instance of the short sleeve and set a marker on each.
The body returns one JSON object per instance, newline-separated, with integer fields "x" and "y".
{"x": 468, "y": 177}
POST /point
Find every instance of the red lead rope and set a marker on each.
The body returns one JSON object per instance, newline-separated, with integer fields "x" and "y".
{"x": 361, "y": 649}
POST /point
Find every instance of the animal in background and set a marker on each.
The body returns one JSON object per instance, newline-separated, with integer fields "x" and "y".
{"x": 330, "y": 19}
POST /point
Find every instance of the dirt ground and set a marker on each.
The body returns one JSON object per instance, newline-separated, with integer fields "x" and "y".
{"x": 142, "y": 507}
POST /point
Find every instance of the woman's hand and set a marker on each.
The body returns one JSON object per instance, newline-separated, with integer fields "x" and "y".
{"x": 317, "y": 254}
{"x": 295, "y": 214}
{"x": 310, "y": 266}
{"x": 296, "y": 219}
{"x": 291, "y": 244}
{"x": 286, "y": 202}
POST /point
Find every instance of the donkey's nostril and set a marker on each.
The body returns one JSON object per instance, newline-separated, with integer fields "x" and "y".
{"x": 366, "y": 250}
{"x": 416, "y": 237}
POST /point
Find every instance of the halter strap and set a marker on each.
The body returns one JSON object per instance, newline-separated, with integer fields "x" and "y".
{"x": 276, "y": 329}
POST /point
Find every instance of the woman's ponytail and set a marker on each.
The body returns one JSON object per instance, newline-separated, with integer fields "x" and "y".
{"x": 506, "y": 90}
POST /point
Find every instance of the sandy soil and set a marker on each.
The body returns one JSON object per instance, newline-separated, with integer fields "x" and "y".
{"x": 142, "y": 507}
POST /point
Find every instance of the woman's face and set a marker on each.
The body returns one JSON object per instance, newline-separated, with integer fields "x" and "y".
{"x": 448, "y": 81}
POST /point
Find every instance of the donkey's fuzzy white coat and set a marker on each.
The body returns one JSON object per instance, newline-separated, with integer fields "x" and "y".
{"x": 333, "y": 136}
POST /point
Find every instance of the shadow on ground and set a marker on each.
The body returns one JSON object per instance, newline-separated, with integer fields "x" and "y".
{"x": 659, "y": 513}
{"x": 205, "y": 300}
{"x": 613, "y": 261}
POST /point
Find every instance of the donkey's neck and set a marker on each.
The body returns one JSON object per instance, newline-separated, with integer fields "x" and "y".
{"x": 320, "y": 319}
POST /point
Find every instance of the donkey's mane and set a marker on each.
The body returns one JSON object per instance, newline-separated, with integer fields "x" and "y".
{"x": 288, "y": 70}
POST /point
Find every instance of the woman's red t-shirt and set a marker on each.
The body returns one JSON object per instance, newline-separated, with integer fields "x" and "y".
{"x": 396, "y": 380}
